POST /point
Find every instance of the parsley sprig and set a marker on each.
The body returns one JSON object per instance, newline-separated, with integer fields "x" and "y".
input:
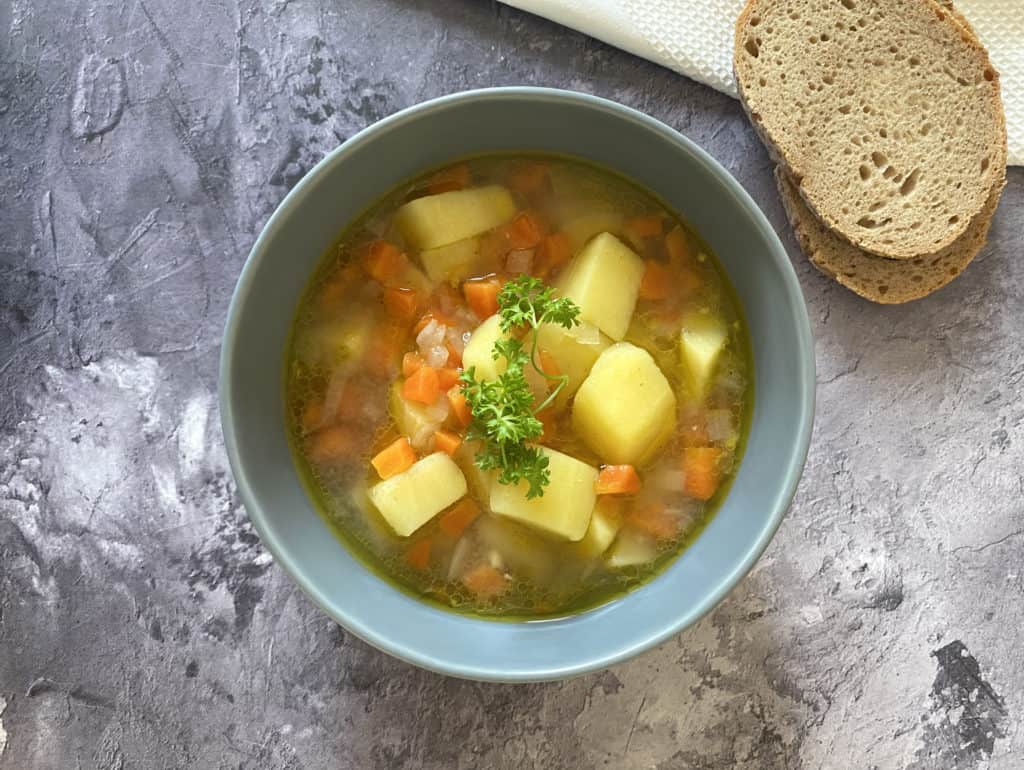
{"x": 504, "y": 414}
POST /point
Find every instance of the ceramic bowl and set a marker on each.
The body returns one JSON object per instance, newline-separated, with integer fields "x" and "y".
{"x": 345, "y": 183}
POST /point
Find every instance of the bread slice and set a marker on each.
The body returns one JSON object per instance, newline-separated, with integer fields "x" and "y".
{"x": 886, "y": 113}
{"x": 886, "y": 281}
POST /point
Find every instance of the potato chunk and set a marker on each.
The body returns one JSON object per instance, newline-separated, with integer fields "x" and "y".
{"x": 525, "y": 551}
{"x": 479, "y": 350}
{"x": 701, "y": 342}
{"x": 414, "y": 421}
{"x": 574, "y": 351}
{"x": 437, "y": 220}
{"x": 605, "y": 524}
{"x": 631, "y": 549}
{"x": 480, "y": 481}
{"x": 625, "y": 409}
{"x": 565, "y": 507}
{"x": 453, "y": 262}
{"x": 604, "y": 280}
{"x": 410, "y": 499}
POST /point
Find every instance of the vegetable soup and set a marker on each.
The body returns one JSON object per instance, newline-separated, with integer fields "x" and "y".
{"x": 518, "y": 386}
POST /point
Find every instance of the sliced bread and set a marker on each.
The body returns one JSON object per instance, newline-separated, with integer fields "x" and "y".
{"x": 886, "y": 281}
{"x": 886, "y": 113}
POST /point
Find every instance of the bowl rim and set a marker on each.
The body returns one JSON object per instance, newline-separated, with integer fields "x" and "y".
{"x": 806, "y": 377}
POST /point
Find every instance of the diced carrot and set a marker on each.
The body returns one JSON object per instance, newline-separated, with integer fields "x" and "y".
{"x": 331, "y": 444}
{"x": 454, "y": 521}
{"x": 447, "y": 442}
{"x": 646, "y": 226}
{"x": 401, "y": 304}
{"x": 703, "y": 472}
{"x": 332, "y": 293}
{"x": 617, "y": 480}
{"x": 678, "y": 246}
{"x": 422, "y": 386}
{"x": 453, "y": 178}
{"x": 383, "y": 261}
{"x": 657, "y": 281}
{"x": 529, "y": 178}
{"x": 394, "y": 458}
{"x": 354, "y": 398}
{"x": 312, "y": 416}
{"x": 548, "y": 364}
{"x": 459, "y": 405}
{"x": 482, "y": 296}
{"x": 553, "y": 252}
{"x": 454, "y": 356}
{"x": 418, "y": 555}
{"x": 411, "y": 361}
{"x": 447, "y": 378}
{"x": 485, "y": 581}
{"x": 653, "y": 519}
{"x": 382, "y": 356}
{"x": 547, "y": 419}
{"x": 525, "y": 231}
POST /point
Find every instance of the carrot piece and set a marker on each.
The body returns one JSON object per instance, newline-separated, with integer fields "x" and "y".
{"x": 383, "y": 261}
{"x": 655, "y": 521}
{"x": 382, "y": 357}
{"x": 394, "y": 458}
{"x": 524, "y": 231}
{"x": 529, "y": 178}
{"x": 617, "y": 480}
{"x": 411, "y": 362}
{"x": 553, "y": 252}
{"x": 547, "y": 419}
{"x": 678, "y": 245}
{"x": 453, "y": 178}
{"x": 418, "y": 555}
{"x": 548, "y": 364}
{"x": 401, "y": 304}
{"x": 485, "y": 581}
{"x": 459, "y": 405}
{"x": 454, "y": 356}
{"x": 447, "y": 442}
{"x": 482, "y": 296}
{"x": 657, "y": 281}
{"x": 447, "y": 378}
{"x": 422, "y": 385}
{"x": 702, "y": 466}
{"x": 312, "y": 416}
{"x": 646, "y": 226}
{"x": 454, "y": 521}
{"x": 331, "y": 444}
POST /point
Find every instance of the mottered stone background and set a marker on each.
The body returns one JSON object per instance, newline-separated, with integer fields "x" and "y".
{"x": 143, "y": 143}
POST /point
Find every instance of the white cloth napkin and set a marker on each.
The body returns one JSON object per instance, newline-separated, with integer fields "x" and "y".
{"x": 694, "y": 37}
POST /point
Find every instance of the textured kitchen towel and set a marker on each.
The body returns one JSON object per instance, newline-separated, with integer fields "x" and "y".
{"x": 694, "y": 37}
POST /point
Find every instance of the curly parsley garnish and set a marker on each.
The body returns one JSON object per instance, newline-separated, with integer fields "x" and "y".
{"x": 504, "y": 415}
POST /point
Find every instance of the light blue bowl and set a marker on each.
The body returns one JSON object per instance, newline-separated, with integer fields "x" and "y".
{"x": 340, "y": 187}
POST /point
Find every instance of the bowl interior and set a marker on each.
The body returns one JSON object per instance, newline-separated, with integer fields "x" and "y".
{"x": 339, "y": 189}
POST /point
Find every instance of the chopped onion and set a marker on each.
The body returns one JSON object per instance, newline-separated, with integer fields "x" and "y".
{"x": 495, "y": 560}
{"x": 719, "y": 424}
{"x": 431, "y": 336}
{"x": 519, "y": 261}
{"x": 669, "y": 479}
{"x": 436, "y": 356}
{"x": 459, "y": 556}
{"x": 587, "y": 334}
{"x": 457, "y": 339}
{"x": 438, "y": 411}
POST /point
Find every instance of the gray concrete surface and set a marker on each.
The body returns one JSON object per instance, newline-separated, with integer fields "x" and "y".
{"x": 142, "y": 145}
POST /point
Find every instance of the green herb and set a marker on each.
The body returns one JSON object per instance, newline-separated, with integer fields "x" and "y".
{"x": 504, "y": 415}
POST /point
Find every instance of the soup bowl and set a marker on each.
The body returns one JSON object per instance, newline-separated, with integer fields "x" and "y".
{"x": 354, "y": 176}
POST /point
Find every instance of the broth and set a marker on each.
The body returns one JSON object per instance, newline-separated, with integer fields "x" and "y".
{"x": 641, "y": 442}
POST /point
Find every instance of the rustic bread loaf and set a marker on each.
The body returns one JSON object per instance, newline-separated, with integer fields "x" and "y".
{"x": 886, "y": 113}
{"x": 886, "y": 281}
